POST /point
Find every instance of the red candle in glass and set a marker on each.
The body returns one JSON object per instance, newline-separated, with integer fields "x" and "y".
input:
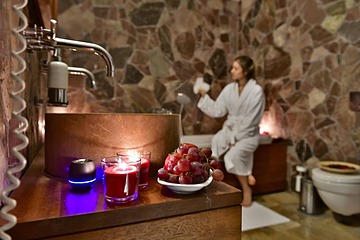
{"x": 121, "y": 182}
{"x": 145, "y": 157}
{"x": 144, "y": 171}
{"x": 121, "y": 178}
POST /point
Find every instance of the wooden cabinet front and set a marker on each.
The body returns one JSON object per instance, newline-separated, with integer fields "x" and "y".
{"x": 269, "y": 168}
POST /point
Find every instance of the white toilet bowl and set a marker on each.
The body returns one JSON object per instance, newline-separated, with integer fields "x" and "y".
{"x": 340, "y": 192}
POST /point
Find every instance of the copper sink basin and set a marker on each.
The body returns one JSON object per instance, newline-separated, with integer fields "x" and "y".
{"x": 96, "y": 135}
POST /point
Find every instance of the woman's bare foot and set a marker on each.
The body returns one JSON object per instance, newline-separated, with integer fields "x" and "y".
{"x": 251, "y": 180}
{"x": 246, "y": 190}
{"x": 247, "y": 198}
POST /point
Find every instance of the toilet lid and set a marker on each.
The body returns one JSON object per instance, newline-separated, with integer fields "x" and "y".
{"x": 335, "y": 177}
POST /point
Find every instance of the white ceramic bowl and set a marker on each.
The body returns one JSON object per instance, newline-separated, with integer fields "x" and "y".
{"x": 185, "y": 188}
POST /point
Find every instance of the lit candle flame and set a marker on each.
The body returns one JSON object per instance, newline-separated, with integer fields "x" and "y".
{"x": 133, "y": 155}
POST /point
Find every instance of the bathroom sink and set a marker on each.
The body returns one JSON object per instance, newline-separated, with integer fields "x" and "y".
{"x": 70, "y": 136}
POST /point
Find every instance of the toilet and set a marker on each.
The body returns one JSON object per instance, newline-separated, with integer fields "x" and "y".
{"x": 340, "y": 192}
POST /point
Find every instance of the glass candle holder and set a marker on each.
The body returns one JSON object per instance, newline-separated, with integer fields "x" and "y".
{"x": 145, "y": 157}
{"x": 121, "y": 178}
{"x": 144, "y": 169}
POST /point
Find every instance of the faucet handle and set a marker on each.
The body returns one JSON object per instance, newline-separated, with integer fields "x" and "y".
{"x": 53, "y": 26}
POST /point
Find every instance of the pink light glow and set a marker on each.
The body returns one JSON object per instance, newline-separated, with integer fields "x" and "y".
{"x": 272, "y": 125}
{"x": 264, "y": 128}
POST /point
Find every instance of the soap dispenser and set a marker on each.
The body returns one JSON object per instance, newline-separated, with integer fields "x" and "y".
{"x": 58, "y": 78}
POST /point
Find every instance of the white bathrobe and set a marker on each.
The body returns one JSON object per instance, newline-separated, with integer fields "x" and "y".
{"x": 241, "y": 129}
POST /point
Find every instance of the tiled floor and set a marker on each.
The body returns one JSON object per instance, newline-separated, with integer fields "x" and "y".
{"x": 301, "y": 226}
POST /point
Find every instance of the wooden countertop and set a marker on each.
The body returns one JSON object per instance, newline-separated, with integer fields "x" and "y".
{"x": 47, "y": 207}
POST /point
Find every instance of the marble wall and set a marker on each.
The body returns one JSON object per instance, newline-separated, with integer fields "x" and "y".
{"x": 306, "y": 53}
{"x": 5, "y": 106}
{"x": 10, "y": 73}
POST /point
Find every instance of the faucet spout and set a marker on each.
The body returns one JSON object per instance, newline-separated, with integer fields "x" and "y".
{"x": 86, "y": 46}
{"x": 90, "y": 75}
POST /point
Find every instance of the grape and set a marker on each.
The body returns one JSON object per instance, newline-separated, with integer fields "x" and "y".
{"x": 163, "y": 174}
{"x": 184, "y": 165}
{"x": 167, "y": 161}
{"x": 198, "y": 179}
{"x": 205, "y": 174}
{"x": 197, "y": 168}
{"x": 215, "y": 164}
{"x": 185, "y": 179}
{"x": 193, "y": 150}
{"x": 173, "y": 179}
{"x": 217, "y": 175}
{"x": 170, "y": 167}
{"x": 207, "y": 152}
{"x": 176, "y": 170}
{"x": 182, "y": 149}
{"x": 189, "y": 145}
{"x": 194, "y": 156}
{"x": 175, "y": 157}
{"x": 202, "y": 157}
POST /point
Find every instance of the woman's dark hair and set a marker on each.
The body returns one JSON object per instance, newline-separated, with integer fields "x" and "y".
{"x": 247, "y": 65}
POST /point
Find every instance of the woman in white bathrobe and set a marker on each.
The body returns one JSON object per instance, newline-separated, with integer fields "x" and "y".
{"x": 243, "y": 101}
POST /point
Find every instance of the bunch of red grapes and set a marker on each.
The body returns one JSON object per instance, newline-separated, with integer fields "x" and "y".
{"x": 189, "y": 164}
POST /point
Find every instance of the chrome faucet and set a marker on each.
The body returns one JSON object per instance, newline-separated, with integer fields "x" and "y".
{"x": 83, "y": 71}
{"x": 40, "y": 38}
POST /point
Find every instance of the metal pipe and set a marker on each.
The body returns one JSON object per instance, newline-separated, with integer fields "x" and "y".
{"x": 83, "y": 46}
{"x": 84, "y": 71}
{"x": 86, "y": 46}
{"x": 39, "y": 38}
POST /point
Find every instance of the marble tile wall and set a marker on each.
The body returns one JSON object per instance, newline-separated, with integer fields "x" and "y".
{"x": 9, "y": 87}
{"x": 5, "y": 106}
